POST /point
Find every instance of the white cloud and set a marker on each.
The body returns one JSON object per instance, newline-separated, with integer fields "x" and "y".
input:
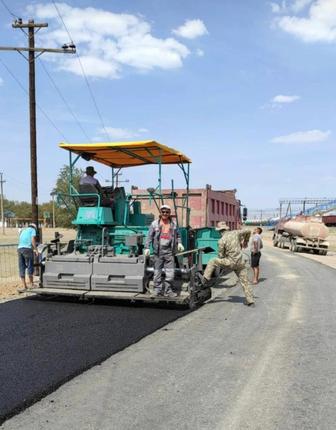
{"x": 299, "y": 5}
{"x": 199, "y": 52}
{"x": 191, "y": 29}
{"x": 119, "y": 133}
{"x": 294, "y": 6}
{"x": 107, "y": 42}
{"x": 303, "y": 137}
{"x": 285, "y": 99}
{"x": 319, "y": 24}
{"x": 276, "y": 8}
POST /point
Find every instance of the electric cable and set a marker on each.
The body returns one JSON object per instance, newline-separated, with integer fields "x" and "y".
{"x": 39, "y": 107}
{"x": 8, "y": 10}
{"x": 83, "y": 73}
{"x": 59, "y": 92}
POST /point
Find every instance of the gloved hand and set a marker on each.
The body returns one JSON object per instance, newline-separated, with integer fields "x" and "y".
{"x": 146, "y": 252}
{"x": 180, "y": 247}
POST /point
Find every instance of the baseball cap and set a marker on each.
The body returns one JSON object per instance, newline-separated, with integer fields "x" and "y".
{"x": 165, "y": 207}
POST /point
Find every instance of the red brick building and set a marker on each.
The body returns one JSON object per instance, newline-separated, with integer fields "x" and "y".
{"x": 207, "y": 206}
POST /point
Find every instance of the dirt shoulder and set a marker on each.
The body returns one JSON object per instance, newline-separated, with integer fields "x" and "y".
{"x": 9, "y": 287}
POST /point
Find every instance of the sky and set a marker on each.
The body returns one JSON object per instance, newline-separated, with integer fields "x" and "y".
{"x": 244, "y": 88}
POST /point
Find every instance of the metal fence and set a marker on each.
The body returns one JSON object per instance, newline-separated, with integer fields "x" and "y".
{"x": 8, "y": 263}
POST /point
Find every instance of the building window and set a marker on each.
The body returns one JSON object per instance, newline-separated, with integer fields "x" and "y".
{"x": 226, "y": 209}
{"x": 212, "y": 223}
{"x": 213, "y": 206}
{"x": 222, "y": 208}
{"x": 218, "y": 206}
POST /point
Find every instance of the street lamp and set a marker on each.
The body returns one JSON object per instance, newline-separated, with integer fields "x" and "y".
{"x": 53, "y": 194}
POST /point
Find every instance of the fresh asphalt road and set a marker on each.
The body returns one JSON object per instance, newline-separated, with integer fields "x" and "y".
{"x": 45, "y": 343}
{"x": 224, "y": 366}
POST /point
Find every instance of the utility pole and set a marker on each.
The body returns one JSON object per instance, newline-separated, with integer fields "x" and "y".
{"x": 53, "y": 194}
{"x": 33, "y": 28}
{"x": 2, "y": 206}
{"x": 115, "y": 177}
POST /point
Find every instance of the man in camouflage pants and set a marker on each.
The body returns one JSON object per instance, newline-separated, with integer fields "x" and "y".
{"x": 230, "y": 257}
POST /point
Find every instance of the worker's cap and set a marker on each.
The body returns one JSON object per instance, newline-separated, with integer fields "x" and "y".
{"x": 222, "y": 226}
{"x": 165, "y": 207}
{"x": 33, "y": 225}
{"x": 90, "y": 170}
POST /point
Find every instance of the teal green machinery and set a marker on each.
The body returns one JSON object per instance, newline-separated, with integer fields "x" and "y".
{"x": 106, "y": 258}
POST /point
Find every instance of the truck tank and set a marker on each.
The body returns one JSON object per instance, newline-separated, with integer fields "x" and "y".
{"x": 310, "y": 227}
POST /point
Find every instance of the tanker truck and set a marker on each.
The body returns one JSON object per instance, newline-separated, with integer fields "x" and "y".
{"x": 302, "y": 233}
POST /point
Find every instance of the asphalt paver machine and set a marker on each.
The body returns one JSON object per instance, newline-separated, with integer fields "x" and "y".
{"x": 106, "y": 259}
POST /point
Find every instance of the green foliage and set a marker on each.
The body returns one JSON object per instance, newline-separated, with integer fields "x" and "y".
{"x": 21, "y": 209}
{"x": 65, "y": 209}
{"x": 63, "y": 180}
{"x": 65, "y": 206}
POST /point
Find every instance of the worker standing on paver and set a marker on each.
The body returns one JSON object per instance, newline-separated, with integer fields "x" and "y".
{"x": 165, "y": 239}
{"x": 230, "y": 257}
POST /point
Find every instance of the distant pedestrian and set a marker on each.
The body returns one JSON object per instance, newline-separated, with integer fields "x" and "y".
{"x": 27, "y": 247}
{"x": 230, "y": 257}
{"x": 255, "y": 247}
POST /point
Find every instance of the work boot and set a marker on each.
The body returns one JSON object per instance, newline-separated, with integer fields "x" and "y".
{"x": 249, "y": 304}
{"x": 156, "y": 293}
{"x": 204, "y": 281}
{"x": 171, "y": 294}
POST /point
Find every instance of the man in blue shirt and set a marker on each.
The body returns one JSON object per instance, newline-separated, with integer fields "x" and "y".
{"x": 26, "y": 248}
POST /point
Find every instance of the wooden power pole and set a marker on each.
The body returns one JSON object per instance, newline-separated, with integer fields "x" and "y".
{"x": 1, "y": 203}
{"x": 66, "y": 49}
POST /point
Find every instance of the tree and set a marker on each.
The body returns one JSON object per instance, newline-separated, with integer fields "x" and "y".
{"x": 63, "y": 179}
{"x": 65, "y": 205}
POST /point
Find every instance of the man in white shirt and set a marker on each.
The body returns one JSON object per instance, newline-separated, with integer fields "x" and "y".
{"x": 89, "y": 178}
{"x": 256, "y": 245}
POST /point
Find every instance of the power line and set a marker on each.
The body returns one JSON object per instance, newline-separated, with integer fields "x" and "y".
{"x": 83, "y": 73}
{"x": 18, "y": 185}
{"x": 27, "y": 94}
{"x": 32, "y": 28}
{"x": 61, "y": 18}
{"x": 64, "y": 100}
{"x": 8, "y": 10}
{"x": 52, "y": 80}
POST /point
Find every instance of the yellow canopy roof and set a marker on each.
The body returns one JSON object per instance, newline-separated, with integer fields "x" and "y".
{"x": 127, "y": 154}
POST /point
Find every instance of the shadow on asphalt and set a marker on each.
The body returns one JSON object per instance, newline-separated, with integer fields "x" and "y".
{"x": 230, "y": 299}
{"x": 44, "y": 343}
